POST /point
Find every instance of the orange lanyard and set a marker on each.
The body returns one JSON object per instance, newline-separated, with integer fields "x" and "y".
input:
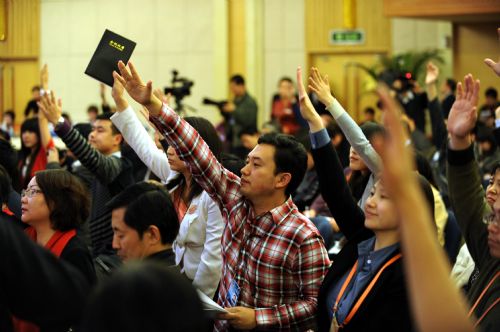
{"x": 481, "y": 296}
{"x": 363, "y": 296}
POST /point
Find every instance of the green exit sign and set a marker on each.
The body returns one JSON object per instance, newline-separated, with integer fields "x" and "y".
{"x": 347, "y": 37}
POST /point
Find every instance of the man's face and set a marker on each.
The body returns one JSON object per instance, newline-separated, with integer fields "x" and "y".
{"x": 258, "y": 176}
{"x": 126, "y": 240}
{"x": 490, "y": 101}
{"x": 236, "y": 89}
{"x": 101, "y": 137}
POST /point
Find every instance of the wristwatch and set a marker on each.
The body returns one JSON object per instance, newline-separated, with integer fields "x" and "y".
{"x": 59, "y": 122}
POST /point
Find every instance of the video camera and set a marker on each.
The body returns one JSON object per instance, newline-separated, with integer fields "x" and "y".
{"x": 219, "y": 104}
{"x": 181, "y": 87}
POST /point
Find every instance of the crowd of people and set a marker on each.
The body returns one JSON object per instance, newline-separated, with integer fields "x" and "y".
{"x": 311, "y": 223}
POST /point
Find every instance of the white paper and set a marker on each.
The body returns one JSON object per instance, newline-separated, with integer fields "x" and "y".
{"x": 209, "y": 305}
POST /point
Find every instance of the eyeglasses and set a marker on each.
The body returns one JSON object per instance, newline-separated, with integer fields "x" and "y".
{"x": 30, "y": 192}
{"x": 491, "y": 220}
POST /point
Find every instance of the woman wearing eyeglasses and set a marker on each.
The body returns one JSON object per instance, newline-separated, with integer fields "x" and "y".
{"x": 54, "y": 205}
{"x": 477, "y": 217}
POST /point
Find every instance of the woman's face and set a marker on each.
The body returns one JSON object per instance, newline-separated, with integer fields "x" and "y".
{"x": 175, "y": 163}
{"x": 380, "y": 211}
{"x": 493, "y": 189}
{"x": 30, "y": 139}
{"x": 355, "y": 161}
{"x": 34, "y": 208}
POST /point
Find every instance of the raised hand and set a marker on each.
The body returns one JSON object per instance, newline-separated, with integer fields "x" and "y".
{"x": 165, "y": 98}
{"x": 397, "y": 158}
{"x": 117, "y": 94}
{"x": 495, "y": 66}
{"x": 321, "y": 87}
{"x": 44, "y": 77}
{"x": 306, "y": 107}
{"x": 463, "y": 115}
{"x": 140, "y": 92}
{"x": 51, "y": 108}
{"x": 432, "y": 73}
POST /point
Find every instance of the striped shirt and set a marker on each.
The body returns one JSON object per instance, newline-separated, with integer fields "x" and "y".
{"x": 278, "y": 258}
{"x": 111, "y": 173}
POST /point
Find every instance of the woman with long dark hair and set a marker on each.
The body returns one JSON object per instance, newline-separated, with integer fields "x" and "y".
{"x": 34, "y": 146}
{"x": 198, "y": 245}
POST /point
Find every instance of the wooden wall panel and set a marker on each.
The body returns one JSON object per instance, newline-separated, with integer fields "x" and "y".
{"x": 19, "y": 54}
{"x": 23, "y": 30}
{"x": 432, "y": 8}
{"x": 472, "y": 43}
{"x": 237, "y": 37}
{"x": 325, "y": 15}
{"x": 350, "y": 85}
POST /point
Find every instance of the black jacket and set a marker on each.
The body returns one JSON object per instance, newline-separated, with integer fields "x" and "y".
{"x": 35, "y": 285}
{"x": 386, "y": 307}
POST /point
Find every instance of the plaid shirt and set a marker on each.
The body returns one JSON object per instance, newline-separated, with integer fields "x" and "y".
{"x": 278, "y": 258}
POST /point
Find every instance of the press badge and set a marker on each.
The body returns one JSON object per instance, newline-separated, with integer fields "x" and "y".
{"x": 233, "y": 293}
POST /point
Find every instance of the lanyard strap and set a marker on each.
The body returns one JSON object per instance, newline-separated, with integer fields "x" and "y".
{"x": 363, "y": 296}
{"x": 481, "y": 296}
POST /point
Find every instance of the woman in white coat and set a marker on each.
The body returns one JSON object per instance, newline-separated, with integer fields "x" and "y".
{"x": 198, "y": 245}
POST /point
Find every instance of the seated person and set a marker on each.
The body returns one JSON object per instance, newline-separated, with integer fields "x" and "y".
{"x": 156, "y": 300}
{"x": 144, "y": 223}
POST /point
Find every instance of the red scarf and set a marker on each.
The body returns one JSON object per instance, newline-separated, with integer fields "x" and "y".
{"x": 55, "y": 245}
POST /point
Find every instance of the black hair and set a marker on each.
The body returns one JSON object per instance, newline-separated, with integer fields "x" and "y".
{"x": 93, "y": 108}
{"x": 35, "y": 88}
{"x": 428, "y": 195}
{"x": 67, "y": 198}
{"x": 148, "y": 204}
{"x": 11, "y": 113}
{"x": 237, "y": 79}
{"x": 491, "y": 92}
{"x": 107, "y": 116}
{"x": 155, "y": 299}
{"x": 84, "y": 129}
{"x": 208, "y": 133}
{"x": 358, "y": 180}
{"x": 286, "y": 79}
{"x": 290, "y": 156}
{"x": 424, "y": 168}
{"x": 495, "y": 168}
{"x": 369, "y": 110}
{"x": 30, "y": 125}
{"x": 249, "y": 130}
{"x": 5, "y": 185}
{"x": 452, "y": 84}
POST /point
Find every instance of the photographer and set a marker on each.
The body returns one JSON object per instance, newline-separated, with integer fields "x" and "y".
{"x": 243, "y": 111}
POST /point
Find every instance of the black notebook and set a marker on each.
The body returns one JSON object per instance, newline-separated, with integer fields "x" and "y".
{"x": 110, "y": 50}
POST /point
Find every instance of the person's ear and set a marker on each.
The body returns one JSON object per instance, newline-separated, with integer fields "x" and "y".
{"x": 153, "y": 235}
{"x": 282, "y": 180}
{"x": 117, "y": 139}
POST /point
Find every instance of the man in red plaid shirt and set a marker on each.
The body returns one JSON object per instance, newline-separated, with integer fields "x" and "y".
{"x": 274, "y": 259}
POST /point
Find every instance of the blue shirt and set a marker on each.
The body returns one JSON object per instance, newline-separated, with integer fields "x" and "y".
{"x": 369, "y": 263}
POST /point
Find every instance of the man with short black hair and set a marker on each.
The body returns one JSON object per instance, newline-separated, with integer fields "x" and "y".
{"x": 242, "y": 111}
{"x": 274, "y": 259}
{"x": 144, "y": 223}
{"x": 101, "y": 156}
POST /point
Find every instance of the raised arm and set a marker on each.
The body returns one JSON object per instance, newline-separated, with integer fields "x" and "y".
{"x": 464, "y": 180}
{"x": 105, "y": 168}
{"x": 136, "y": 135}
{"x": 222, "y": 185}
{"x": 495, "y": 66}
{"x": 426, "y": 267}
{"x": 334, "y": 188}
{"x": 43, "y": 124}
{"x": 321, "y": 86}
{"x": 439, "y": 132}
